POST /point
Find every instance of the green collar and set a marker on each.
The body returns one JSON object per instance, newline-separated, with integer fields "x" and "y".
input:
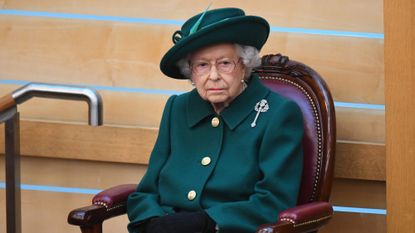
{"x": 238, "y": 110}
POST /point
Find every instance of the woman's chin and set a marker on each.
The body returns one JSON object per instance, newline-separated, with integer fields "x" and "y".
{"x": 217, "y": 99}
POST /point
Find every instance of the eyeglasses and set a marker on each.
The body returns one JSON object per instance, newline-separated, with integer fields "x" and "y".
{"x": 224, "y": 66}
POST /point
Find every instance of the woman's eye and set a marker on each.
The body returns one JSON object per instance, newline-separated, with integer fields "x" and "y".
{"x": 224, "y": 64}
{"x": 202, "y": 65}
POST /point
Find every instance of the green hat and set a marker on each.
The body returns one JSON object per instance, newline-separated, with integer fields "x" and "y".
{"x": 225, "y": 25}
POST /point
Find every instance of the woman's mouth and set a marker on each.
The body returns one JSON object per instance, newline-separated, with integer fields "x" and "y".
{"x": 215, "y": 89}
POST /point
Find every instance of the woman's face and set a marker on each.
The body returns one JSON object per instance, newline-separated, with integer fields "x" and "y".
{"x": 217, "y": 73}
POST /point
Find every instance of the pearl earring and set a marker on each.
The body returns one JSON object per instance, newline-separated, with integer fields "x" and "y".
{"x": 244, "y": 85}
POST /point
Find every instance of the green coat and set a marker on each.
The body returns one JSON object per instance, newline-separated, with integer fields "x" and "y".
{"x": 242, "y": 176}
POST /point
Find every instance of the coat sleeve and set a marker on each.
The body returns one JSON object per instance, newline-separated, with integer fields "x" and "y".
{"x": 280, "y": 159}
{"x": 144, "y": 202}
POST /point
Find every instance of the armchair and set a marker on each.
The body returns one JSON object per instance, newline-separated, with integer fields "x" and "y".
{"x": 303, "y": 85}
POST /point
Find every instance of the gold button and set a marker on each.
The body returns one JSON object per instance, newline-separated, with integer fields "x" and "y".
{"x": 206, "y": 161}
{"x": 215, "y": 122}
{"x": 191, "y": 195}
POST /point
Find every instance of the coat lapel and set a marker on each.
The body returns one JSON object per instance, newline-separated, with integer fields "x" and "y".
{"x": 244, "y": 104}
{"x": 238, "y": 110}
{"x": 197, "y": 109}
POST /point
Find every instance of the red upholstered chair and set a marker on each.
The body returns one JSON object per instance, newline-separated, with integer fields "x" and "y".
{"x": 301, "y": 84}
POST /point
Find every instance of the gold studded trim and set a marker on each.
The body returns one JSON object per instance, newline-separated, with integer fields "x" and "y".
{"x": 307, "y": 222}
{"x": 101, "y": 203}
{"x": 287, "y": 220}
{"x": 317, "y": 124}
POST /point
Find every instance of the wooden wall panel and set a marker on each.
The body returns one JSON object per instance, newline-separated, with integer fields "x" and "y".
{"x": 114, "y": 54}
{"x": 352, "y": 15}
{"x": 134, "y": 145}
{"x": 144, "y": 110}
{"x": 70, "y": 141}
{"x": 400, "y": 114}
{"x": 355, "y": 223}
{"x": 360, "y": 125}
{"x": 359, "y": 193}
{"x": 120, "y": 109}
{"x": 73, "y": 51}
{"x": 47, "y": 212}
{"x": 356, "y": 160}
{"x": 74, "y": 173}
{"x": 349, "y": 65}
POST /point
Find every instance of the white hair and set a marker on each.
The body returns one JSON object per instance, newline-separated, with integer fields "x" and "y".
{"x": 249, "y": 56}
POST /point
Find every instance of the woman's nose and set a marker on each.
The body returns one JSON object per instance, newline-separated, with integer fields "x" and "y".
{"x": 214, "y": 74}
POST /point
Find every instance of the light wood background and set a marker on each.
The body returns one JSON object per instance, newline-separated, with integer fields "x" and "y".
{"x": 46, "y": 212}
{"x": 116, "y": 54}
{"x": 400, "y": 150}
{"x": 112, "y": 54}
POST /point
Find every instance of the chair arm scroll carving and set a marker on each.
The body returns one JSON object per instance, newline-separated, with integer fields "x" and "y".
{"x": 106, "y": 204}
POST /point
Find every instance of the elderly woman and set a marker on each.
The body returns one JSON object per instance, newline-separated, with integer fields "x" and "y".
{"x": 228, "y": 156}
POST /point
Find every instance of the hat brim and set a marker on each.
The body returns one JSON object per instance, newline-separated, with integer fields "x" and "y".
{"x": 244, "y": 30}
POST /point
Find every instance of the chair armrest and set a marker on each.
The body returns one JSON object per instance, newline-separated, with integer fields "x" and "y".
{"x": 301, "y": 219}
{"x": 106, "y": 204}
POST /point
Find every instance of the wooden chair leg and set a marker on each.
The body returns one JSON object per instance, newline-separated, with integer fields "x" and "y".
{"x": 97, "y": 228}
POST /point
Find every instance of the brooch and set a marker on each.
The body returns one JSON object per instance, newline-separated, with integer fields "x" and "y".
{"x": 261, "y": 106}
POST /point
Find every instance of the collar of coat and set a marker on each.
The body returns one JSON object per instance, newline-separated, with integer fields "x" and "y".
{"x": 198, "y": 109}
